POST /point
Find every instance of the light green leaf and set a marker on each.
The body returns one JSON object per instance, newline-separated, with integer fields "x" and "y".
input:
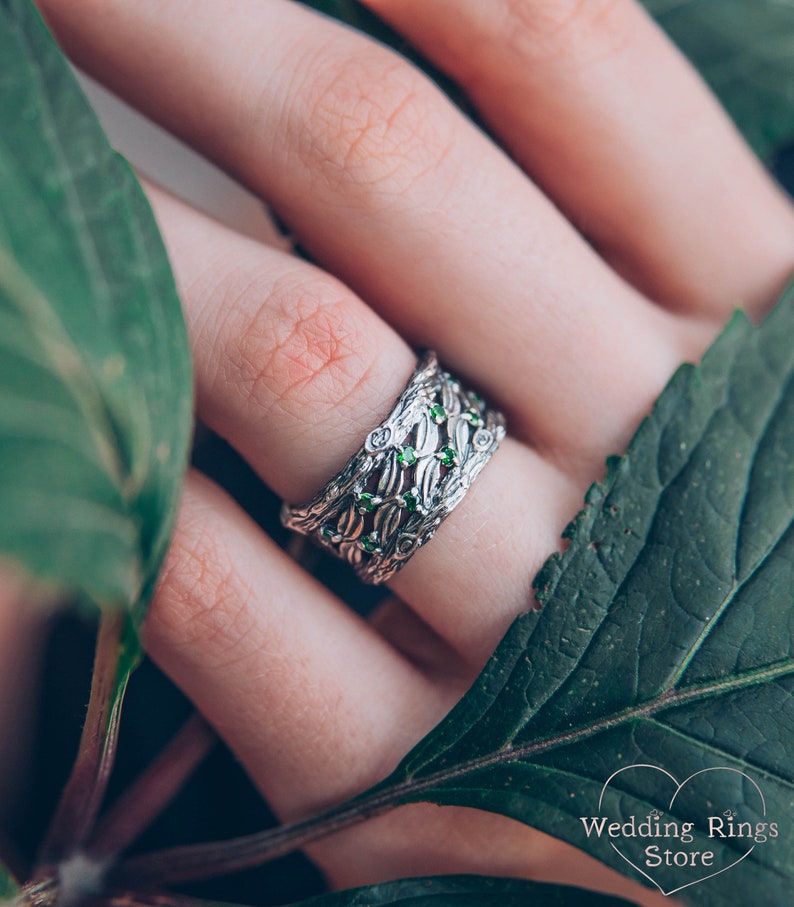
{"x": 95, "y": 384}
{"x": 666, "y": 638}
{"x": 745, "y": 51}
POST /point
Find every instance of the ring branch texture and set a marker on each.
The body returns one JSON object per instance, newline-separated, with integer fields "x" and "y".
{"x": 412, "y": 471}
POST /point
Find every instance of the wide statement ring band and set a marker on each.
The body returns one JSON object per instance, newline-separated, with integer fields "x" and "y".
{"x": 412, "y": 471}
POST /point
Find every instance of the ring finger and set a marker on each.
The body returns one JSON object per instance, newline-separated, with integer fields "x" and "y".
{"x": 295, "y": 370}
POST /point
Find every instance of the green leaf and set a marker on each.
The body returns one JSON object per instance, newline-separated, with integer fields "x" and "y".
{"x": 745, "y": 51}
{"x": 464, "y": 891}
{"x": 664, "y": 650}
{"x": 666, "y": 637}
{"x": 444, "y": 891}
{"x": 95, "y": 383}
{"x": 8, "y": 886}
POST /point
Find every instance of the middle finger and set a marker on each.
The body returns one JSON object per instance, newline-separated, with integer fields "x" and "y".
{"x": 392, "y": 188}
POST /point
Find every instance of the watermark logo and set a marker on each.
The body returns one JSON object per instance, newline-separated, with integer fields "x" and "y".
{"x": 672, "y": 852}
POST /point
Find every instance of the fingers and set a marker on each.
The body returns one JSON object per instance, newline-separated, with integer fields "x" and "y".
{"x": 294, "y": 370}
{"x": 403, "y": 198}
{"x": 599, "y": 107}
{"x": 288, "y": 675}
{"x": 316, "y": 705}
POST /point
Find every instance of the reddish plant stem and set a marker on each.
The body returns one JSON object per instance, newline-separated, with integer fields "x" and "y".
{"x": 152, "y": 791}
{"x": 205, "y": 861}
{"x": 82, "y": 797}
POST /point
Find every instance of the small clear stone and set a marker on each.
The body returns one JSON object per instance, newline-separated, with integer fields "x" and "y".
{"x": 378, "y": 439}
{"x": 406, "y": 457}
{"x": 406, "y": 544}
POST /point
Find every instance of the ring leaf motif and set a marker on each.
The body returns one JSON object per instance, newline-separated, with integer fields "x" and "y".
{"x": 95, "y": 383}
{"x": 666, "y": 635}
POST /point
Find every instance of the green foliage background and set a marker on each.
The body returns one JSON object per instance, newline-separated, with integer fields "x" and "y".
{"x": 667, "y": 628}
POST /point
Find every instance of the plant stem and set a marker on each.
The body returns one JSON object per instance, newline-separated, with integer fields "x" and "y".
{"x": 204, "y": 861}
{"x": 82, "y": 797}
{"x": 152, "y": 791}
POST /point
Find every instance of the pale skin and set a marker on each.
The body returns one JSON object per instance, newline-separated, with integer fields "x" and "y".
{"x": 565, "y": 280}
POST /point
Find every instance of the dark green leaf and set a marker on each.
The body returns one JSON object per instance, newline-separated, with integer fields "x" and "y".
{"x": 464, "y": 891}
{"x": 444, "y": 891}
{"x": 667, "y": 637}
{"x": 745, "y": 51}
{"x": 95, "y": 386}
{"x": 665, "y": 645}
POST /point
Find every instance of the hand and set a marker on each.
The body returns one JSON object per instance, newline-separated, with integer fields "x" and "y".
{"x": 436, "y": 238}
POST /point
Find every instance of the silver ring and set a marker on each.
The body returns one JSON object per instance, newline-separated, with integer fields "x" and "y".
{"x": 411, "y": 472}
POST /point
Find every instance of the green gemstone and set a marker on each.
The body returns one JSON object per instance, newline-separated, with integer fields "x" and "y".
{"x": 328, "y": 533}
{"x": 448, "y": 456}
{"x": 366, "y": 502}
{"x": 370, "y": 542}
{"x": 407, "y": 456}
{"x": 411, "y": 501}
{"x": 438, "y": 413}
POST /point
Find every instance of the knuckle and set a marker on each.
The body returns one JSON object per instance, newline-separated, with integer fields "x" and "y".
{"x": 566, "y": 29}
{"x": 374, "y": 122}
{"x": 301, "y": 349}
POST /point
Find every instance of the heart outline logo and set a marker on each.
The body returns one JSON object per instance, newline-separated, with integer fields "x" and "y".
{"x": 678, "y": 789}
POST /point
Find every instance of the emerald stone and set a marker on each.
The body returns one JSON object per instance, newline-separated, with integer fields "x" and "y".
{"x": 448, "y": 456}
{"x": 411, "y": 501}
{"x": 366, "y": 502}
{"x": 406, "y": 457}
{"x": 438, "y": 413}
{"x": 370, "y": 542}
